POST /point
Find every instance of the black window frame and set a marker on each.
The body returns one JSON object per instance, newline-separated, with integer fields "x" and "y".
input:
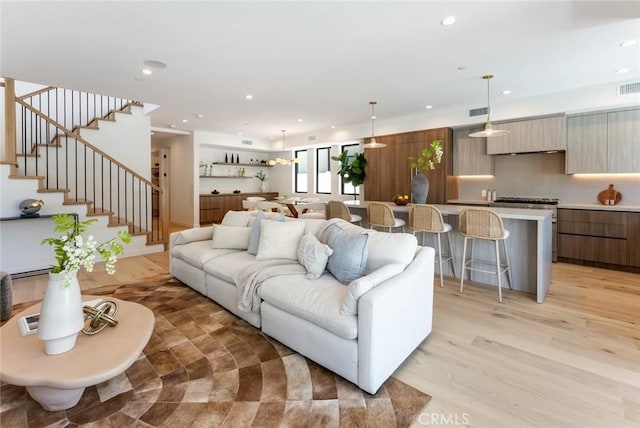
{"x": 328, "y": 159}
{"x": 296, "y": 171}
{"x": 356, "y": 188}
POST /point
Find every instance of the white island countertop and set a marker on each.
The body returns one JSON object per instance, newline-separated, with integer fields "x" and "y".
{"x": 599, "y": 207}
{"x": 507, "y": 213}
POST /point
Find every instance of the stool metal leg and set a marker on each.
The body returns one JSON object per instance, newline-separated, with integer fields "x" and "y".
{"x": 498, "y": 271}
{"x": 464, "y": 255}
{"x": 506, "y": 256}
{"x": 440, "y": 258}
{"x": 453, "y": 261}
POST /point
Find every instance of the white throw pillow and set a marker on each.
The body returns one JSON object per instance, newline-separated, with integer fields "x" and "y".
{"x": 279, "y": 240}
{"x": 313, "y": 255}
{"x": 236, "y": 218}
{"x": 232, "y": 237}
{"x": 362, "y": 285}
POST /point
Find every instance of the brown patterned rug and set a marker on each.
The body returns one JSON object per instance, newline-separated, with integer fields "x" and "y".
{"x": 205, "y": 367}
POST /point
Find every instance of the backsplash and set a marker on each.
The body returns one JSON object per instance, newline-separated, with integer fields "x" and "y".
{"x": 542, "y": 175}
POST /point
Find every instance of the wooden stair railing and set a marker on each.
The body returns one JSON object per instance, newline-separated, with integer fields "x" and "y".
{"x": 83, "y": 172}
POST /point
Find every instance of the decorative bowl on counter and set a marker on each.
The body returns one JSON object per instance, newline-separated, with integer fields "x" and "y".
{"x": 401, "y": 200}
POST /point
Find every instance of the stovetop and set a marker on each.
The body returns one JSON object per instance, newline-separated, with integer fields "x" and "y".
{"x": 527, "y": 200}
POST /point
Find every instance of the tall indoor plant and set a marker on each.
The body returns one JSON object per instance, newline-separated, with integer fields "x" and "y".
{"x": 351, "y": 168}
{"x": 426, "y": 160}
{"x": 61, "y": 317}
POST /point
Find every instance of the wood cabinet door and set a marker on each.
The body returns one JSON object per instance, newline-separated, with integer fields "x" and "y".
{"x": 529, "y": 136}
{"x": 470, "y": 155}
{"x": 623, "y": 141}
{"x": 633, "y": 239}
{"x": 587, "y": 144}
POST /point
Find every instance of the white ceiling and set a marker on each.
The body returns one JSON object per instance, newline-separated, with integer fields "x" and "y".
{"x": 319, "y": 61}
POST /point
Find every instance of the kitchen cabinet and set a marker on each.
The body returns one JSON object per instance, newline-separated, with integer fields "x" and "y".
{"x": 470, "y": 154}
{"x": 604, "y": 142}
{"x": 214, "y": 207}
{"x": 530, "y": 135}
{"x": 388, "y": 170}
{"x": 600, "y": 238}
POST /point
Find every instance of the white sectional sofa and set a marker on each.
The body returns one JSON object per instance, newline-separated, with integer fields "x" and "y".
{"x": 362, "y": 329}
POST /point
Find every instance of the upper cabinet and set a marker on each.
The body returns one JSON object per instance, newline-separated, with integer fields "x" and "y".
{"x": 470, "y": 154}
{"x": 530, "y": 135}
{"x": 605, "y": 142}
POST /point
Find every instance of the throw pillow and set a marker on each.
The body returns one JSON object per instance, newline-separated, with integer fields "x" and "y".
{"x": 279, "y": 240}
{"x": 231, "y": 237}
{"x": 362, "y": 285}
{"x": 254, "y": 241}
{"x": 313, "y": 255}
{"x": 349, "y": 258}
{"x": 236, "y": 218}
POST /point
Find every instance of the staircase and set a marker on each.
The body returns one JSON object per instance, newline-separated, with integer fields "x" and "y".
{"x": 53, "y": 150}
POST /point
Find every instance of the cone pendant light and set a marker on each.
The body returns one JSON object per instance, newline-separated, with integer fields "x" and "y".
{"x": 488, "y": 130}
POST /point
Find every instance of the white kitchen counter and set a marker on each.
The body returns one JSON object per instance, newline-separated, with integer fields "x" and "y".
{"x": 529, "y": 244}
{"x": 627, "y": 208}
{"x": 482, "y": 202}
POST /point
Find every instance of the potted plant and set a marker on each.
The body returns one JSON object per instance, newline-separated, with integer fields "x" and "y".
{"x": 351, "y": 168}
{"x": 61, "y": 316}
{"x": 427, "y": 160}
{"x": 263, "y": 177}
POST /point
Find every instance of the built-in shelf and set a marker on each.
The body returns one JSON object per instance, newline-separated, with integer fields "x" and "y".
{"x": 261, "y": 165}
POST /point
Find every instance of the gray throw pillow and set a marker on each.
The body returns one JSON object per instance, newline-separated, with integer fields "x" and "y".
{"x": 313, "y": 255}
{"x": 254, "y": 239}
{"x": 349, "y": 258}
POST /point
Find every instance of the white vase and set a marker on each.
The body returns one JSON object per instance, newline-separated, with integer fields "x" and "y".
{"x": 61, "y": 317}
{"x": 263, "y": 187}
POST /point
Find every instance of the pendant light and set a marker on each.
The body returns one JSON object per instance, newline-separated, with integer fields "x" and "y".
{"x": 488, "y": 130}
{"x": 281, "y": 161}
{"x": 373, "y": 144}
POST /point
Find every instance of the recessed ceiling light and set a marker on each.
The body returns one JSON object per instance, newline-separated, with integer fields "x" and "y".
{"x": 172, "y": 126}
{"x": 146, "y": 71}
{"x": 299, "y": 120}
{"x": 506, "y": 92}
{"x": 429, "y": 107}
{"x": 628, "y": 43}
{"x": 185, "y": 121}
{"x": 249, "y": 96}
{"x": 239, "y": 133}
{"x": 622, "y": 70}
{"x": 199, "y": 115}
{"x": 155, "y": 64}
{"x": 449, "y": 20}
{"x": 333, "y": 127}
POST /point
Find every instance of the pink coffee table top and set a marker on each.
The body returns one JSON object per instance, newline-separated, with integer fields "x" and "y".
{"x": 93, "y": 360}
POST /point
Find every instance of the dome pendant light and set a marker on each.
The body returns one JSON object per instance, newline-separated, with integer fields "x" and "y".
{"x": 373, "y": 144}
{"x": 488, "y": 130}
{"x": 281, "y": 161}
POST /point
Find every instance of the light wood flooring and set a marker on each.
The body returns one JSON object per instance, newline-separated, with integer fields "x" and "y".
{"x": 573, "y": 361}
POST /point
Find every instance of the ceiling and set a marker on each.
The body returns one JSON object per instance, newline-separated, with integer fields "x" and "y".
{"x": 321, "y": 62}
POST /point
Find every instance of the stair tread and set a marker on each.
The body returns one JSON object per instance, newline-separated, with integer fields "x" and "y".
{"x": 27, "y": 177}
{"x": 98, "y": 212}
{"x": 76, "y": 202}
{"x": 52, "y": 190}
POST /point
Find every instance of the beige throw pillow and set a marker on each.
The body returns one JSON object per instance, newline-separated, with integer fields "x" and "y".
{"x": 279, "y": 240}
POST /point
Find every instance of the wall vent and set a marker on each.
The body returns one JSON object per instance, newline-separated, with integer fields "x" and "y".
{"x": 247, "y": 142}
{"x": 311, "y": 138}
{"x": 478, "y": 111}
{"x": 629, "y": 88}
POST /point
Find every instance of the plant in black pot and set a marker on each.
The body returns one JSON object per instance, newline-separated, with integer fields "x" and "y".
{"x": 351, "y": 168}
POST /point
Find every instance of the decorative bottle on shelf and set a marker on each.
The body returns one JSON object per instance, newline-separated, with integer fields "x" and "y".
{"x": 237, "y": 158}
{"x": 231, "y": 157}
{"x": 226, "y": 158}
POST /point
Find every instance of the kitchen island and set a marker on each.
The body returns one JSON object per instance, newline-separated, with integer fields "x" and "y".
{"x": 529, "y": 245}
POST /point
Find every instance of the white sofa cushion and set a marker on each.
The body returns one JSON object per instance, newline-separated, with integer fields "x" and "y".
{"x": 198, "y": 253}
{"x": 233, "y": 237}
{"x": 317, "y": 301}
{"x": 313, "y": 255}
{"x": 236, "y": 218}
{"x": 362, "y": 285}
{"x": 279, "y": 240}
{"x": 349, "y": 258}
{"x": 227, "y": 266}
{"x": 385, "y": 248}
{"x": 191, "y": 235}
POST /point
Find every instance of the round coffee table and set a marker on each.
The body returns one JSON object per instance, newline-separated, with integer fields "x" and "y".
{"x": 58, "y": 381}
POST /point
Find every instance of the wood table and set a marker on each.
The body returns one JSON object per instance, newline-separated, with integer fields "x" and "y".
{"x": 58, "y": 381}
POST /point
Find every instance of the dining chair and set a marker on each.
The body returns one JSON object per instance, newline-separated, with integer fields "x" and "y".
{"x": 381, "y": 215}
{"x": 477, "y": 223}
{"x": 270, "y": 208}
{"x": 428, "y": 219}
{"x": 337, "y": 209}
{"x": 313, "y": 210}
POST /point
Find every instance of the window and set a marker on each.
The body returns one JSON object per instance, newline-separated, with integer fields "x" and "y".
{"x": 301, "y": 169}
{"x": 323, "y": 170}
{"x": 347, "y": 188}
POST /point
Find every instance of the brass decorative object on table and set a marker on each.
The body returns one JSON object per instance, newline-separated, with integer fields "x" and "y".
{"x": 101, "y": 315}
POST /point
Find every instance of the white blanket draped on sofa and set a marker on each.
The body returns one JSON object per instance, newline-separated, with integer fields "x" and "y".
{"x": 249, "y": 279}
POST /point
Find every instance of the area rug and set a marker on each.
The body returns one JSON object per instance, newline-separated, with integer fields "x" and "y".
{"x": 204, "y": 367}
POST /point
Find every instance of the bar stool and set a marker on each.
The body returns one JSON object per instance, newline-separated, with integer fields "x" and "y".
{"x": 314, "y": 210}
{"x": 428, "y": 219}
{"x": 337, "y": 209}
{"x": 381, "y": 215}
{"x": 485, "y": 224}
{"x": 270, "y": 209}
